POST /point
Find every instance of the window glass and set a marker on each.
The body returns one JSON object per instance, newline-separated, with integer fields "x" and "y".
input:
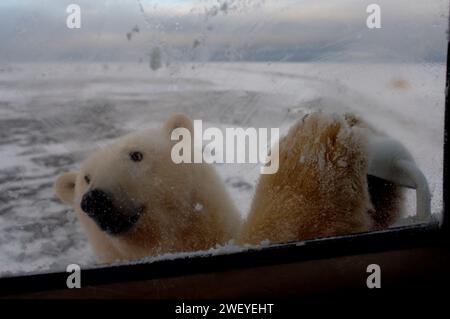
{"x": 74, "y": 78}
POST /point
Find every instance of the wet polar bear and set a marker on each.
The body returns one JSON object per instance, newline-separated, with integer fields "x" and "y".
{"x": 133, "y": 201}
{"x": 321, "y": 188}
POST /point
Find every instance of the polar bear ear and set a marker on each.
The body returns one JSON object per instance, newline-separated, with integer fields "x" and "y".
{"x": 178, "y": 120}
{"x": 65, "y": 187}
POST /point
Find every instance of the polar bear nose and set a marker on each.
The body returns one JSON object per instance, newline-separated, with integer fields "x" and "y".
{"x": 96, "y": 203}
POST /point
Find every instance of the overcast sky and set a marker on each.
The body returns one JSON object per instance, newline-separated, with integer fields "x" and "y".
{"x": 240, "y": 30}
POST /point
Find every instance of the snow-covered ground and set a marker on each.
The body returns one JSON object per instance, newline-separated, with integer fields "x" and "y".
{"x": 52, "y": 115}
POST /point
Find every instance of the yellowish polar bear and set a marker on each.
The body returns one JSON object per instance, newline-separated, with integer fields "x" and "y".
{"x": 321, "y": 188}
{"x": 133, "y": 201}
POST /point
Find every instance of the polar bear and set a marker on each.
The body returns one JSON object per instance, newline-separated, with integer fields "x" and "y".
{"x": 321, "y": 188}
{"x": 134, "y": 201}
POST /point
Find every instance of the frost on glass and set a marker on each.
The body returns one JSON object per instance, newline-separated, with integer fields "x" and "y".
{"x": 257, "y": 63}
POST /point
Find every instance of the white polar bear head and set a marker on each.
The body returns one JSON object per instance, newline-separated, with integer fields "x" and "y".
{"x": 119, "y": 184}
{"x": 133, "y": 200}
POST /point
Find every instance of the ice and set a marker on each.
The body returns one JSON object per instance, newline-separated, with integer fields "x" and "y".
{"x": 49, "y": 123}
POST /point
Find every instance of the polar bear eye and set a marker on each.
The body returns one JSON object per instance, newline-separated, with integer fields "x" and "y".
{"x": 136, "y": 156}
{"x": 87, "y": 179}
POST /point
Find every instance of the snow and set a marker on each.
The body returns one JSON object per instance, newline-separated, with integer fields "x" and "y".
{"x": 198, "y": 207}
{"x": 301, "y": 159}
{"x": 52, "y": 115}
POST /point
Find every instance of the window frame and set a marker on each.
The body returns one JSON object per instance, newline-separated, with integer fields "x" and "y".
{"x": 434, "y": 234}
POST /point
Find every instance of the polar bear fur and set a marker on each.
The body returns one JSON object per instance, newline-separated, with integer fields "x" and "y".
{"x": 180, "y": 207}
{"x": 321, "y": 188}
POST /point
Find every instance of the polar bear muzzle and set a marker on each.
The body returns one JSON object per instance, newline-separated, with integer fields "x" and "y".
{"x": 111, "y": 218}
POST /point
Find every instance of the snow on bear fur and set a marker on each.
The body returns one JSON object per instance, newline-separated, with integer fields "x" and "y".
{"x": 321, "y": 188}
{"x": 133, "y": 201}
